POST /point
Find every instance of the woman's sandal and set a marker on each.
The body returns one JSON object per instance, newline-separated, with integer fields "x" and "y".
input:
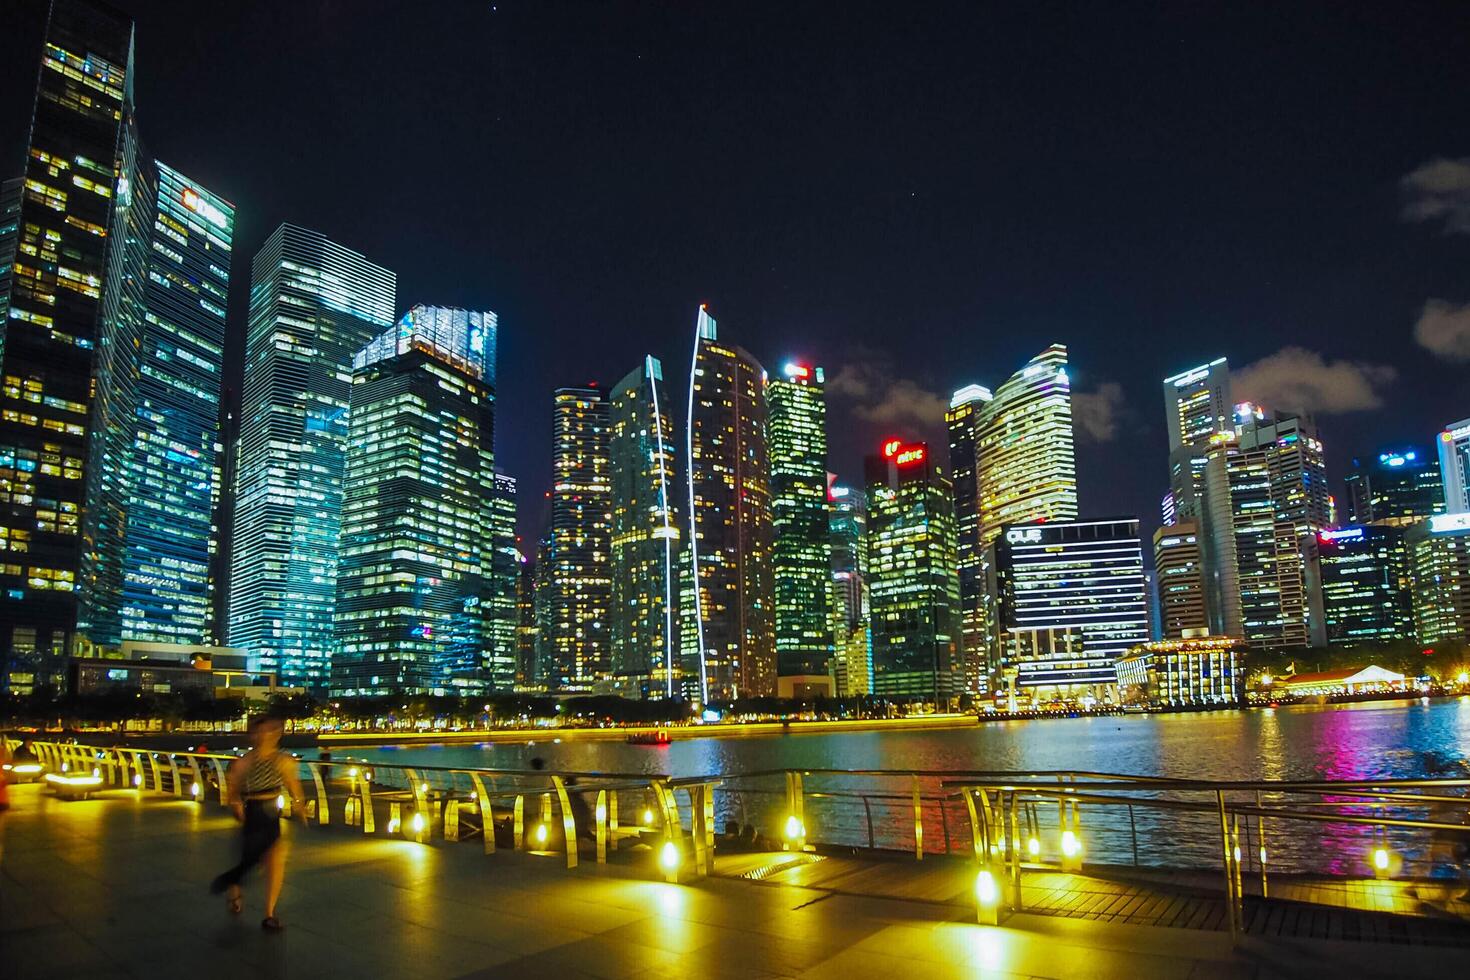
{"x": 271, "y": 924}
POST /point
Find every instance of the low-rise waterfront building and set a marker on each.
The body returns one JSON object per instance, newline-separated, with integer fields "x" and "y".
{"x": 1193, "y": 672}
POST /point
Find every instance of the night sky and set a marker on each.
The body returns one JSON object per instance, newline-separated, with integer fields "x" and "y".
{"x": 915, "y": 196}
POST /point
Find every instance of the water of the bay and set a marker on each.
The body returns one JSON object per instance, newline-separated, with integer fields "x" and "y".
{"x": 1372, "y": 740}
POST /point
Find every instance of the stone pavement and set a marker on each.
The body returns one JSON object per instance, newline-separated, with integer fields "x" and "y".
{"x": 116, "y": 887}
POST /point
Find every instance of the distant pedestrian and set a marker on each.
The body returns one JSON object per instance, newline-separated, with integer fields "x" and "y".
{"x": 261, "y": 782}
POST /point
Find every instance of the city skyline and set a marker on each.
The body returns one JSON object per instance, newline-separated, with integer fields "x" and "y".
{"x": 827, "y": 314}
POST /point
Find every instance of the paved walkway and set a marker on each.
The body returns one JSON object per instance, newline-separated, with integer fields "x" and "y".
{"x": 115, "y": 887}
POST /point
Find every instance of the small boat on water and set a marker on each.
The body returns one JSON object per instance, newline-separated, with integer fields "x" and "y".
{"x": 656, "y": 737}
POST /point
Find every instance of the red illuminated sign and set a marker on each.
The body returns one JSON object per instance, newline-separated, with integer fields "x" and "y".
{"x": 909, "y": 456}
{"x": 891, "y": 447}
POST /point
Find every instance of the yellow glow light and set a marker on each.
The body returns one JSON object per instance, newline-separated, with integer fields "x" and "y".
{"x": 194, "y": 789}
{"x": 137, "y": 779}
{"x": 1071, "y": 846}
{"x": 1263, "y": 855}
{"x": 281, "y": 801}
{"x": 25, "y": 768}
{"x": 1463, "y": 678}
{"x": 352, "y": 772}
{"x": 418, "y": 823}
{"x": 423, "y": 788}
{"x": 986, "y": 893}
{"x": 601, "y": 812}
{"x": 1237, "y": 855}
{"x": 393, "y": 826}
{"x": 668, "y": 856}
{"x": 68, "y": 780}
{"x": 1380, "y": 858}
{"x": 794, "y": 829}
{"x": 541, "y": 833}
{"x": 648, "y": 816}
{"x": 1033, "y": 847}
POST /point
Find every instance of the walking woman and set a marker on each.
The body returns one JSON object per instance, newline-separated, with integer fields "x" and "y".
{"x": 260, "y": 782}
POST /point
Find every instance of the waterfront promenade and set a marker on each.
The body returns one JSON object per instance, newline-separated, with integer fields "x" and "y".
{"x": 115, "y": 886}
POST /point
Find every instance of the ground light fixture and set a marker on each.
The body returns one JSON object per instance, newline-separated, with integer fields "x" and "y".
{"x": 668, "y": 857}
{"x": 1071, "y": 844}
{"x": 987, "y": 897}
{"x": 647, "y": 817}
{"x": 541, "y": 833}
{"x": 418, "y": 823}
{"x": 1033, "y": 846}
{"x": 794, "y": 829}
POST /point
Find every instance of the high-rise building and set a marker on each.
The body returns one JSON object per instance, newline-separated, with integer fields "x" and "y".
{"x": 1439, "y": 571}
{"x": 152, "y": 489}
{"x": 1266, "y": 500}
{"x": 1027, "y": 466}
{"x": 847, "y": 523}
{"x": 1072, "y": 600}
{"x": 801, "y": 558}
{"x": 417, "y": 543}
{"x": 53, "y": 266}
{"x": 527, "y": 630}
{"x": 222, "y": 521}
{"x": 643, "y": 467}
{"x": 913, "y": 576}
{"x": 1402, "y": 486}
{"x": 1197, "y": 406}
{"x": 1364, "y": 578}
{"x": 1454, "y": 466}
{"x": 729, "y": 635}
{"x": 502, "y": 616}
{"x": 963, "y": 419}
{"x": 1179, "y": 564}
{"x": 313, "y": 306}
{"x": 576, "y": 572}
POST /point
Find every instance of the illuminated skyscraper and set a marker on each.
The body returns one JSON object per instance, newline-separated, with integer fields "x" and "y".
{"x": 1179, "y": 564}
{"x": 53, "y": 265}
{"x": 1196, "y": 406}
{"x": 801, "y": 560}
{"x": 152, "y": 488}
{"x": 313, "y": 306}
{"x": 418, "y": 542}
{"x": 966, "y": 412}
{"x": 501, "y": 615}
{"x": 1454, "y": 466}
{"x": 1439, "y": 571}
{"x": 1364, "y": 571}
{"x": 1027, "y": 466}
{"x": 577, "y": 570}
{"x": 848, "y": 524}
{"x": 913, "y": 568}
{"x": 645, "y": 535}
{"x": 1402, "y": 486}
{"x": 733, "y": 624}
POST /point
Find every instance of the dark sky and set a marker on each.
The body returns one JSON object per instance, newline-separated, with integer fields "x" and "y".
{"x": 915, "y": 196}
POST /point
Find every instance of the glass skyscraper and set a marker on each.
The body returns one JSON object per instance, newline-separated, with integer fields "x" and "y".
{"x": 963, "y": 419}
{"x": 313, "y": 306}
{"x": 801, "y": 559}
{"x": 728, "y": 637}
{"x": 848, "y": 530}
{"x": 1454, "y": 466}
{"x": 502, "y": 617}
{"x": 1364, "y": 575}
{"x": 913, "y": 576}
{"x": 1402, "y": 486}
{"x": 1179, "y": 565}
{"x": 645, "y": 535}
{"x": 1027, "y": 465}
{"x": 152, "y": 487}
{"x": 52, "y": 272}
{"x": 576, "y": 573}
{"x": 417, "y": 546}
{"x": 1196, "y": 406}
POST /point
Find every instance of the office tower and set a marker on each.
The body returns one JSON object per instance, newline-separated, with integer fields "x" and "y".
{"x": 848, "y": 536}
{"x": 543, "y": 675}
{"x": 1027, "y": 469}
{"x": 729, "y": 635}
{"x": 801, "y": 559}
{"x": 963, "y": 419}
{"x": 1197, "y": 406}
{"x": 418, "y": 543}
{"x": 643, "y": 468}
{"x": 52, "y": 270}
{"x": 1179, "y": 565}
{"x": 502, "y": 616}
{"x": 1402, "y": 486}
{"x": 313, "y": 306}
{"x": 152, "y": 492}
{"x": 576, "y": 570}
{"x": 222, "y": 520}
{"x": 1454, "y": 466}
{"x": 1364, "y": 578}
{"x": 1071, "y": 601}
{"x": 526, "y": 628}
{"x": 1266, "y": 500}
{"x": 913, "y": 576}
{"x": 1439, "y": 573}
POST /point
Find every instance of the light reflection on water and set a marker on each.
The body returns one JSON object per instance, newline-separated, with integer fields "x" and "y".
{"x": 1355, "y": 741}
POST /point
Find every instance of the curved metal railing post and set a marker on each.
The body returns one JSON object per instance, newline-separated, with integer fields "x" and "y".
{"x": 487, "y": 812}
{"x": 568, "y": 822}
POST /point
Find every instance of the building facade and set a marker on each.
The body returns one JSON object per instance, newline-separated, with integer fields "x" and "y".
{"x": 848, "y": 527}
{"x": 1402, "y": 486}
{"x": 643, "y": 466}
{"x": 313, "y": 306}
{"x": 966, "y": 410}
{"x": 1364, "y": 578}
{"x": 913, "y": 576}
{"x": 53, "y": 268}
{"x": 417, "y": 544}
{"x": 1454, "y": 466}
{"x": 1179, "y": 565}
{"x": 502, "y": 617}
{"x": 576, "y": 573}
{"x": 1439, "y": 572}
{"x": 1072, "y": 599}
{"x": 1201, "y": 672}
{"x": 1197, "y": 407}
{"x": 729, "y": 629}
{"x": 801, "y": 552}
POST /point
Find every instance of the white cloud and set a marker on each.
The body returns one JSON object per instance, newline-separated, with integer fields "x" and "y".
{"x": 1444, "y": 330}
{"x": 880, "y": 398}
{"x": 1439, "y": 191}
{"x": 1097, "y": 413}
{"x": 1299, "y": 380}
